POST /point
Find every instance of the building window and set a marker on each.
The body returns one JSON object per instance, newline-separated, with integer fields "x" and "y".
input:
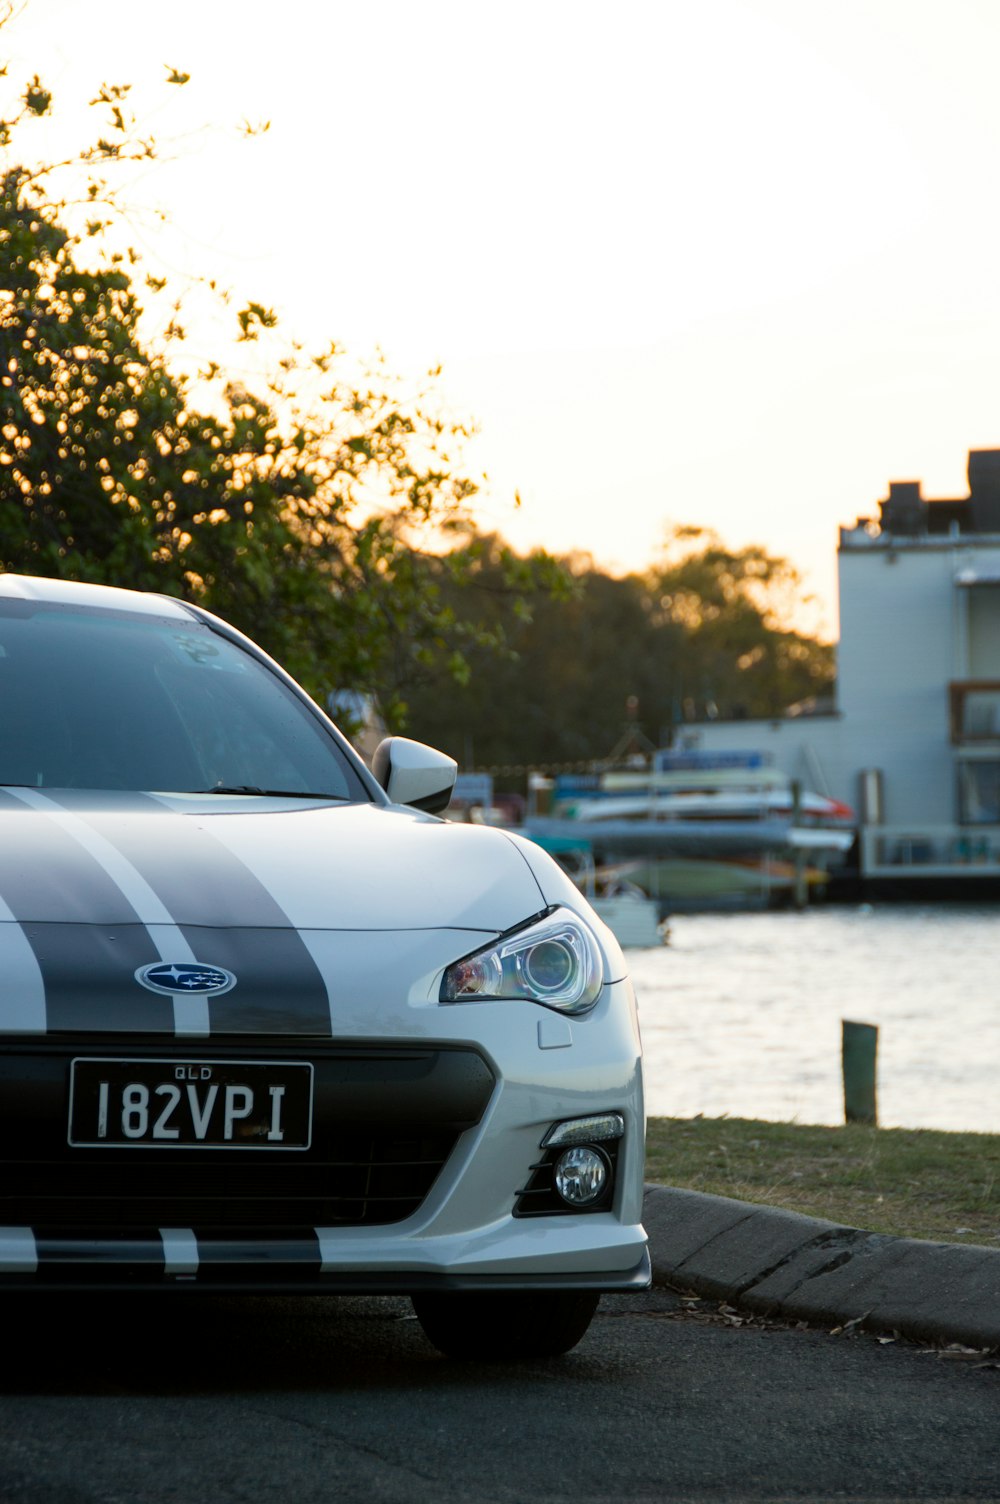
{"x": 975, "y": 710}
{"x": 979, "y": 792}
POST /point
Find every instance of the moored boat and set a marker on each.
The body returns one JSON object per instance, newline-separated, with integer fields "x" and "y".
{"x": 700, "y": 831}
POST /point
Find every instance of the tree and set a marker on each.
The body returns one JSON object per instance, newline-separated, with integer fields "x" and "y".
{"x": 702, "y": 634}
{"x": 301, "y": 515}
{"x": 558, "y": 695}
{"x": 739, "y": 657}
{"x": 316, "y": 513}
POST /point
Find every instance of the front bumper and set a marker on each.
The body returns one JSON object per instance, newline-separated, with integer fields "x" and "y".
{"x": 488, "y": 1084}
{"x": 181, "y": 1261}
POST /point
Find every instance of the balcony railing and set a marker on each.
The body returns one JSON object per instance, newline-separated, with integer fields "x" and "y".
{"x": 930, "y": 851}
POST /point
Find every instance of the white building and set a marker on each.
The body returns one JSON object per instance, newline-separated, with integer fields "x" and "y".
{"x": 914, "y": 741}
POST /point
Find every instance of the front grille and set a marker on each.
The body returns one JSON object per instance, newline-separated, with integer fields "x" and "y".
{"x": 360, "y": 1182}
{"x": 385, "y": 1123}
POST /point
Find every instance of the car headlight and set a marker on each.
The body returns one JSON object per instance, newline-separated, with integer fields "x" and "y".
{"x": 555, "y": 961}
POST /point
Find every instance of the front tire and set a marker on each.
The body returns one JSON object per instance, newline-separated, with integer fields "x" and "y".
{"x": 506, "y": 1324}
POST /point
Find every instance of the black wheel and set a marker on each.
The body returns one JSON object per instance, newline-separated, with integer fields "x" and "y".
{"x": 506, "y": 1324}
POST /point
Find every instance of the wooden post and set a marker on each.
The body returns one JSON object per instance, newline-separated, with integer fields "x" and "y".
{"x": 859, "y": 1046}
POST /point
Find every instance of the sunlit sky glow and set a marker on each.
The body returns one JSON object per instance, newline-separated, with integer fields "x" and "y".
{"x": 731, "y": 263}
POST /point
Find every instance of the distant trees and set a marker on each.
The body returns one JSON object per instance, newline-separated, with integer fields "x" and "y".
{"x": 299, "y": 512}
{"x": 300, "y": 526}
{"x": 554, "y": 691}
{"x": 329, "y": 512}
{"x": 701, "y": 634}
{"x": 739, "y": 657}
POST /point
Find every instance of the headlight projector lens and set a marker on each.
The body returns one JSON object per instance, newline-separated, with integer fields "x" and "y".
{"x": 548, "y": 967}
{"x": 581, "y": 1175}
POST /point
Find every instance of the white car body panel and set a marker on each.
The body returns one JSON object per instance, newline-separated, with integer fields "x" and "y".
{"x": 94, "y": 597}
{"x": 337, "y": 922}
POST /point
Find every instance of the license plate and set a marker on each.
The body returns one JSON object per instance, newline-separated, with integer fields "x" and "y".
{"x": 197, "y": 1104}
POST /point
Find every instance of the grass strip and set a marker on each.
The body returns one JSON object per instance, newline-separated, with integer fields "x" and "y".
{"x": 915, "y": 1183}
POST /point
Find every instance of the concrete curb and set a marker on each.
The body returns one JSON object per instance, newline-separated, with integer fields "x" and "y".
{"x": 774, "y": 1262}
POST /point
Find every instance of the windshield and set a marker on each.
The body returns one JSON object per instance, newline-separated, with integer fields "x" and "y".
{"x": 109, "y": 700}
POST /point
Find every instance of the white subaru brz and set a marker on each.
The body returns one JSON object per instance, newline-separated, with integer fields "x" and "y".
{"x": 268, "y": 1024}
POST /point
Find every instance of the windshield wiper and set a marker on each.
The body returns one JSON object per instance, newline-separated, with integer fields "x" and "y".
{"x": 253, "y": 788}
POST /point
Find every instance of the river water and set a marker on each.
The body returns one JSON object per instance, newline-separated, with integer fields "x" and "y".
{"x": 741, "y": 1013}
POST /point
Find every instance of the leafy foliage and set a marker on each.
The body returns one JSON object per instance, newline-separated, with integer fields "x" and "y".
{"x": 738, "y": 658}
{"x": 328, "y": 513}
{"x": 700, "y": 635}
{"x": 300, "y": 515}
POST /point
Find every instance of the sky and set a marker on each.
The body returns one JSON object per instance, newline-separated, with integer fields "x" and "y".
{"x": 730, "y": 263}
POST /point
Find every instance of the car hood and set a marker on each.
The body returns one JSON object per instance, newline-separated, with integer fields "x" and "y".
{"x": 219, "y": 862}
{"x": 322, "y": 917}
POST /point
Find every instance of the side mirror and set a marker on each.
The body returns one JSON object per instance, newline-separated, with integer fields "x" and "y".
{"x": 414, "y": 774}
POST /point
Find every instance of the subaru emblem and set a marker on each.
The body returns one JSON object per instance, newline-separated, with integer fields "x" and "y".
{"x": 173, "y": 977}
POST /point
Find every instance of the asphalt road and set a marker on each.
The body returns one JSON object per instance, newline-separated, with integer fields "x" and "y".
{"x": 323, "y": 1400}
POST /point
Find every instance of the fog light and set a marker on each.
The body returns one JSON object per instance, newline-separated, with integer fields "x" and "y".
{"x": 581, "y": 1176}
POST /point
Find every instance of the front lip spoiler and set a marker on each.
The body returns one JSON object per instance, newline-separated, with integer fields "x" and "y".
{"x": 146, "y": 1275}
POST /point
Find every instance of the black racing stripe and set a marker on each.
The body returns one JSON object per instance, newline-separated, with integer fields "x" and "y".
{"x": 78, "y": 1258}
{"x": 279, "y": 989}
{"x": 46, "y": 875}
{"x": 68, "y": 1249}
{"x": 196, "y": 878}
{"x": 240, "y": 926}
{"x": 276, "y": 1252}
{"x": 86, "y": 936}
{"x": 75, "y": 1249}
{"x": 7, "y": 801}
{"x": 89, "y": 976}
